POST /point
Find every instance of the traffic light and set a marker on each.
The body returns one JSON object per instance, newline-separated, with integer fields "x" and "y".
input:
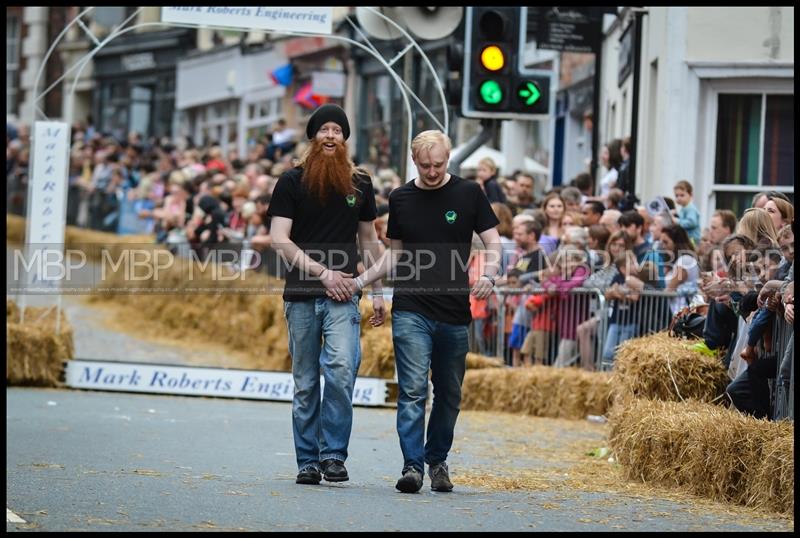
{"x": 496, "y": 83}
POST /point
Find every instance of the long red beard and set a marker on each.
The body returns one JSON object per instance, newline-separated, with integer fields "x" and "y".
{"x": 323, "y": 173}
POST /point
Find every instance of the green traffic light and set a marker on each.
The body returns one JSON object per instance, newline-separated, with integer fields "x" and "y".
{"x": 529, "y": 92}
{"x": 491, "y": 92}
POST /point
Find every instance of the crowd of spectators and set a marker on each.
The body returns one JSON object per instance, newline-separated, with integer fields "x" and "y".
{"x": 579, "y": 236}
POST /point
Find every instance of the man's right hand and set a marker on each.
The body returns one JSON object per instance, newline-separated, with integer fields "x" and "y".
{"x": 336, "y": 286}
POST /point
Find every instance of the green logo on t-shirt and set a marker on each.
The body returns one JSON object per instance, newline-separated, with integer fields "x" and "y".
{"x": 351, "y": 200}
{"x": 450, "y": 216}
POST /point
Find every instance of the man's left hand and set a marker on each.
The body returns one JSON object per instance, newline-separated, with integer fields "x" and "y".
{"x": 482, "y": 288}
{"x": 379, "y": 316}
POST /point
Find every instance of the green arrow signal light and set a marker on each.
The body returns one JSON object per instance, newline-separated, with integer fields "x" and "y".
{"x": 491, "y": 92}
{"x": 529, "y": 92}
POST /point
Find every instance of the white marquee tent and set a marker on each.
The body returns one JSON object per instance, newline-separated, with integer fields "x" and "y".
{"x": 471, "y": 163}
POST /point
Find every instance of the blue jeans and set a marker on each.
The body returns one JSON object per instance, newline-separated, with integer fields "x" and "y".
{"x": 758, "y": 325}
{"x": 420, "y": 345}
{"x": 616, "y": 335}
{"x": 323, "y": 335}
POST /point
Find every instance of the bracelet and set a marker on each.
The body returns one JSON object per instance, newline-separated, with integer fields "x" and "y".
{"x": 359, "y": 282}
{"x": 322, "y": 273}
{"x": 491, "y": 279}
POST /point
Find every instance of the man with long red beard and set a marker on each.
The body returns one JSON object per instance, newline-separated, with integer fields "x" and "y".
{"x": 318, "y": 209}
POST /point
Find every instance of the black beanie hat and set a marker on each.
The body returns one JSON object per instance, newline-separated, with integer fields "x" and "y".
{"x": 323, "y": 115}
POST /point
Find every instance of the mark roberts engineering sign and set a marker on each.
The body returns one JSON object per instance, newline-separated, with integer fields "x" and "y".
{"x": 316, "y": 20}
{"x": 199, "y": 381}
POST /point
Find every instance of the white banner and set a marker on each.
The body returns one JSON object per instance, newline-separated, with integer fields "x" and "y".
{"x": 47, "y": 192}
{"x": 330, "y": 83}
{"x": 199, "y": 381}
{"x": 317, "y": 20}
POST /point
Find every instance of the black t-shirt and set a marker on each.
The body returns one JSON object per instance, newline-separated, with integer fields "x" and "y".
{"x": 530, "y": 262}
{"x": 436, "y": 228}
{"x": 325, "y": 232}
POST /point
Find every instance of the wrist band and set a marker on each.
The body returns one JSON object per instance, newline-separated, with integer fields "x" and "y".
{"x": 359, "y": 282}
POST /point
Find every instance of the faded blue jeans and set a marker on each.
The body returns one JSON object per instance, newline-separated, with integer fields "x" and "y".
{"x": 617, "y": 333}
{"x": 323, "y": 335}
{"x": 420, "y": 345}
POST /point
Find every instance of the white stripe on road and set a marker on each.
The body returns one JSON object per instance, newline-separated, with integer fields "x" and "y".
{"x": 11, "y": 517}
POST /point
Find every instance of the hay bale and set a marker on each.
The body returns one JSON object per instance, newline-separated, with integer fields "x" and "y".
{"x": 90, "y": 242}
{"x": 476, "y": 361}
{"x": 708, "y": 450}
{"x": 15, "y": 229}
{"x": 661, "y": 367}
{"x": 538, "y": 391}
{"x": 35, "y": 353}
{"x": 276, "y": 356}
{"x": 377, "y": 353}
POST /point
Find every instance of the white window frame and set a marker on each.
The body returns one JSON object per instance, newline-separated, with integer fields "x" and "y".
{"x": 274, "y": 97}
{"x": 745, "y": 85}
{"x": 13, "y": 68}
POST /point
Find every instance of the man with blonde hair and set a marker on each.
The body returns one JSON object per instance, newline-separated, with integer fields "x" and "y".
{"x": 432, "y": 219}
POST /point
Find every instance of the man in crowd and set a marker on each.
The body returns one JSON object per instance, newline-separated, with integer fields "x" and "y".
{"x": 632, "y": 223}
{"x": 524, "y": 194}
{"x": 610, "y": 220}
{"x": 721, "y": 225}
{"x": 317, "y": 210}
{"x": 433, "y": 219}
{"x": 592, "y": 212}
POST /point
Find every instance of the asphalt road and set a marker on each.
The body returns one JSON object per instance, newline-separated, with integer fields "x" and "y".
{"x": 91, "y": 461}
{"x": 101, "y": 461}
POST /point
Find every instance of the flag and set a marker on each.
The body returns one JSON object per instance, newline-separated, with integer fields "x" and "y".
{"x": 306, "y": 99}
{"x": 282, "y": 75}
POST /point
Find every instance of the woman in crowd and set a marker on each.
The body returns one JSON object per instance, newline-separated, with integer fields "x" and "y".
{"x": 553, "y": 207}
{"x": 611, "y": 159}
{"x": 506, "y": 231}
{"x": 780, "y": 211}
{"x": 757, "y": 225}
{"x": 684, "y": 269}
{"x": 617, "y": 244}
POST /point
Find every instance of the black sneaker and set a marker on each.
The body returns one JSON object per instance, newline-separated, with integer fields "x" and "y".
{"x": 440, "y": 477}
{"x": 308, "y": 475}
{"x": 411, "y": 481}
{"x": 334, "y": 471}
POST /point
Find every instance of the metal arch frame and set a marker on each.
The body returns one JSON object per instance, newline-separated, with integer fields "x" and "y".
{"x": 121, "y": 29}
{"x": 369, "y": 48}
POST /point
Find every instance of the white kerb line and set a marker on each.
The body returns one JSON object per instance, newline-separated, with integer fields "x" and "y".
{"x": 11, "y": 517}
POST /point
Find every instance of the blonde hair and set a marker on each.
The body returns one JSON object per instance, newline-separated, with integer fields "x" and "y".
{"x": 489, "y": 163}
{"x": 757, "y": 224}
{"x": 425, "y": 140}
{"x": 785, "y": 231}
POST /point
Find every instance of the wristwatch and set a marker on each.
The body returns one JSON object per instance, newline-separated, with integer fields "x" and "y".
{"x": 491, "y": 279}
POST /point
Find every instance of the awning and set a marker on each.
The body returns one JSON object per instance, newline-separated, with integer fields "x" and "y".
{"x": 471, "y": 163}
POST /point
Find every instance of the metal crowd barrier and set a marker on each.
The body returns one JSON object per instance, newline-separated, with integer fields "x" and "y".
{"x": 783, "y": 387}
{"x": 578, "y": 327}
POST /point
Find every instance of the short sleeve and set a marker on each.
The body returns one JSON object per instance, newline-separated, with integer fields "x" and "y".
{"x": 283, "y": 202}
{"x": 393, "y": 226}
{"x": 369, "y": 209}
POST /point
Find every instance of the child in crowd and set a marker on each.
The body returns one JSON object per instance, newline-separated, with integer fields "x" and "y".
{"x": 512, "y": 301}
{"x": 768, "y": 300}
{"x": 688, "y": 216}
{"x": 569, "y": 270}
{"x": 622, "y": 324}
